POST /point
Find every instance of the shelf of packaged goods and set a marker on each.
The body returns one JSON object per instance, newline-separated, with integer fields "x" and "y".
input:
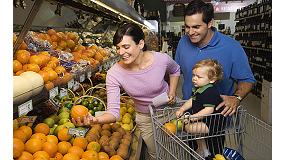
{"x": 249, "y": 32}
{"x": 253, "y": 16}
{"x": 257, "y": 48}
{"x": 257, "y": 65}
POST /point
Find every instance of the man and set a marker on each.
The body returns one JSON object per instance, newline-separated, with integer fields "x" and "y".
{"x": 203, "y": 41}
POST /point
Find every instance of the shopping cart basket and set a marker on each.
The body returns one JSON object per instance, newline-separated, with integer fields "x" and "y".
{"x": 242, "y": 132}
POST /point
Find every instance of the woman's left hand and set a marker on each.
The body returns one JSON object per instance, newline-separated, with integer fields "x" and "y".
{"x": 171, "y": 98}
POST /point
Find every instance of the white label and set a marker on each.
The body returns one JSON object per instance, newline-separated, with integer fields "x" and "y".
{"x": 77, "y": 132}
{"x": 81, "y": 78}
{"x": 70, "y": 84}
{"x": 88, "y": 74}
{"x": 25, "y": 108}
{"x": 53, "y": 92}
{"x": 63, "y": 92}
{"x": 75, "y": 86}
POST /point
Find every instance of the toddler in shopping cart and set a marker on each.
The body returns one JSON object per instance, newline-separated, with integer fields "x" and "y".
{"x": 201, "y": 106}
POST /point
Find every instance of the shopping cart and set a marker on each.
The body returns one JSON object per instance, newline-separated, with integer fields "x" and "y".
{"x": 242, "y": 132}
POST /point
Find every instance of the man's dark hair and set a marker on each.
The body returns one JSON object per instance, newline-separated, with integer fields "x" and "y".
{"x": 198, "y": 6}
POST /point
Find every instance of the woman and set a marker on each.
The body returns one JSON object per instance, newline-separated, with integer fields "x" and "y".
{"x": 141, "y": 74}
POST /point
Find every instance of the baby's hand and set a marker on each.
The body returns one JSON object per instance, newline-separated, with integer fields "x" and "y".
{"x": 179, "y": 113}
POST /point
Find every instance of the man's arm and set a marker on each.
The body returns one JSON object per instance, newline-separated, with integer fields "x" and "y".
{"x": 231, "y": 103}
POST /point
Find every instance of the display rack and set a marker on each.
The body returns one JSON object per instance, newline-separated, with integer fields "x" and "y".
{"x": 254, "y": 31}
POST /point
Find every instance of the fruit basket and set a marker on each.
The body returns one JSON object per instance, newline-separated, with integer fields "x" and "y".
{"x": 242, "y": 132}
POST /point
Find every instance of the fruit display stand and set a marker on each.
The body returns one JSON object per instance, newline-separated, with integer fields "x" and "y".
{"x": 59, "y": 59}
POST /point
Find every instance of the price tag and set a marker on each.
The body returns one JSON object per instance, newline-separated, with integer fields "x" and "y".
{"x": 77, "y": 132}
{"x": 75, "y": 86}
{"x": 25, "y": 108}
{"x": 89, "y": 74}
{"x": 70, "y": 84}
{"x": 26, "y": 119}
{"x": 82, "y": 78}
{"x": 53, "y": 92}
{"x": 63, "y": 92}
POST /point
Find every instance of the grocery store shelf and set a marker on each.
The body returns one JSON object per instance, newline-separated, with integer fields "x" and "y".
{"x": 248, "y": 32}
{"x": 253, "y": 16}
{"x": 257, "y": 48}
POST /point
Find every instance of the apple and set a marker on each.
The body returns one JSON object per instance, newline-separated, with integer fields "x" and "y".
{"x": 178, "y": 123}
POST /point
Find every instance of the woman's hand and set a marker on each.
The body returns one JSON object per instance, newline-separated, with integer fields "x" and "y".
{"x": 87, "y": 120}
{"x": 171, "y": 98}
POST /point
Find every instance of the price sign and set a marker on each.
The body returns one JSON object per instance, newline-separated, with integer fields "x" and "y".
{"x": 26, "y": 119}
{"x": 63, "y": 92}
{"x": 82, "y": 78}
{"x": 89, "y": 74}
{"x": 70, "y": 84}
{"x": 25, "y": 108}
{"x": 77, "y": 132}
{"x": 53, "y": 92}
{"x": 75, "y": 86}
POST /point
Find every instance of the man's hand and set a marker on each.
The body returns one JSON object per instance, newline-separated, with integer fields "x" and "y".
{"x": 230, "y": 104}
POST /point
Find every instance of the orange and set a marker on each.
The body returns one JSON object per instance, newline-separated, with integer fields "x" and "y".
{"x": 17, "y": 66}
{"x": 90, "y": 155}
{"x": 55, "y": 60}
{"x": 26, "y": 156}
{"x": 42, "y": 128}
{"x": 70, "y": 44}
{"x": 52, "y": 75}
{"x": 35, "y": 59}
{"x": 47, "y": 69}
{"x": 20, "y": 134}
{"x": 170, "y": 127}
{"x": 58, "y": 156}
{"x": 78, "y": 111}
{"x": 49, "y": 85}
{"x": 51, "y": 64}
{"x": 63, "y": 135}
{"x": 42, "y": 137}
{"x": 41, "y": 155}
{"x": 54, "y": 45}
{"x": 19, "y": 72}
{"x": 33, "y": 145}
{"x": 54, "y": 38}
{"x": 28, "y": 131}
{"x": 71, "y": 35}
{"x": 62, "y": 44}
{"x": 52, "y": 139}
{"x": 116, "y": 157}
{"x": 23, "y": 56}
{"x": 50, "y": 148}
{"x": 80, "y": 142}
{"x": 59, "y": 69}
{"x": 62, "y": 147}
{"x": 98, "y": 57}
{"x": 44, "y": 75}
{"x": 94, "y": 146}
{"x": 103, "y": 155}
{"x": 76, "y": 150}
{"x": 71, "y": 156}
{"x": 18, "y": 147}
{"x": 51, "y": 32}
{"x": 32, "y": 67}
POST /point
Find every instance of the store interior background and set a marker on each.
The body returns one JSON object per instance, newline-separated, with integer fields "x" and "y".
{"x": 167, "y": 16}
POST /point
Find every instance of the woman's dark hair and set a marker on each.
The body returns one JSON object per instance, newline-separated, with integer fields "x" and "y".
{"x": 129, "y": 29}
{"x": 198, "y": 6}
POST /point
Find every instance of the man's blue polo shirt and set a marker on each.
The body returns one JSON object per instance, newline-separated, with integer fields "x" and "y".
{"x": 227, "y": 51}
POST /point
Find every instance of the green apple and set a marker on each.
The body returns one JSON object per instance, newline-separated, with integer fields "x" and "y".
{"x": 63, "y": 120}
{"x": 69, "y": 125}
{"x": 54, "y": 117}
{"x": 63, "y": 109}
{"x": 58, "y": 128}
{"x": 49, "y": 121}
{"x": 178, "y": 123}
{"x": 64, "y": 115}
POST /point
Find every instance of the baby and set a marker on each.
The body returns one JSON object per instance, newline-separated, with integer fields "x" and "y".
{"x": 205, "y": 97}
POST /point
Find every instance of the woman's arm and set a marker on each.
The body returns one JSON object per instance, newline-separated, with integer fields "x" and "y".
{"x": 173, "y": 81}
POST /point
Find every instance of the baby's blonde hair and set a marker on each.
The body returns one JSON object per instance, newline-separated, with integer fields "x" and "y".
{"x": 215, "y": 71}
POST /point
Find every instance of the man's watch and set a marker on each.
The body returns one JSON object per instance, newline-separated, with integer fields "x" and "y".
{"x": 238, "y": 97}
